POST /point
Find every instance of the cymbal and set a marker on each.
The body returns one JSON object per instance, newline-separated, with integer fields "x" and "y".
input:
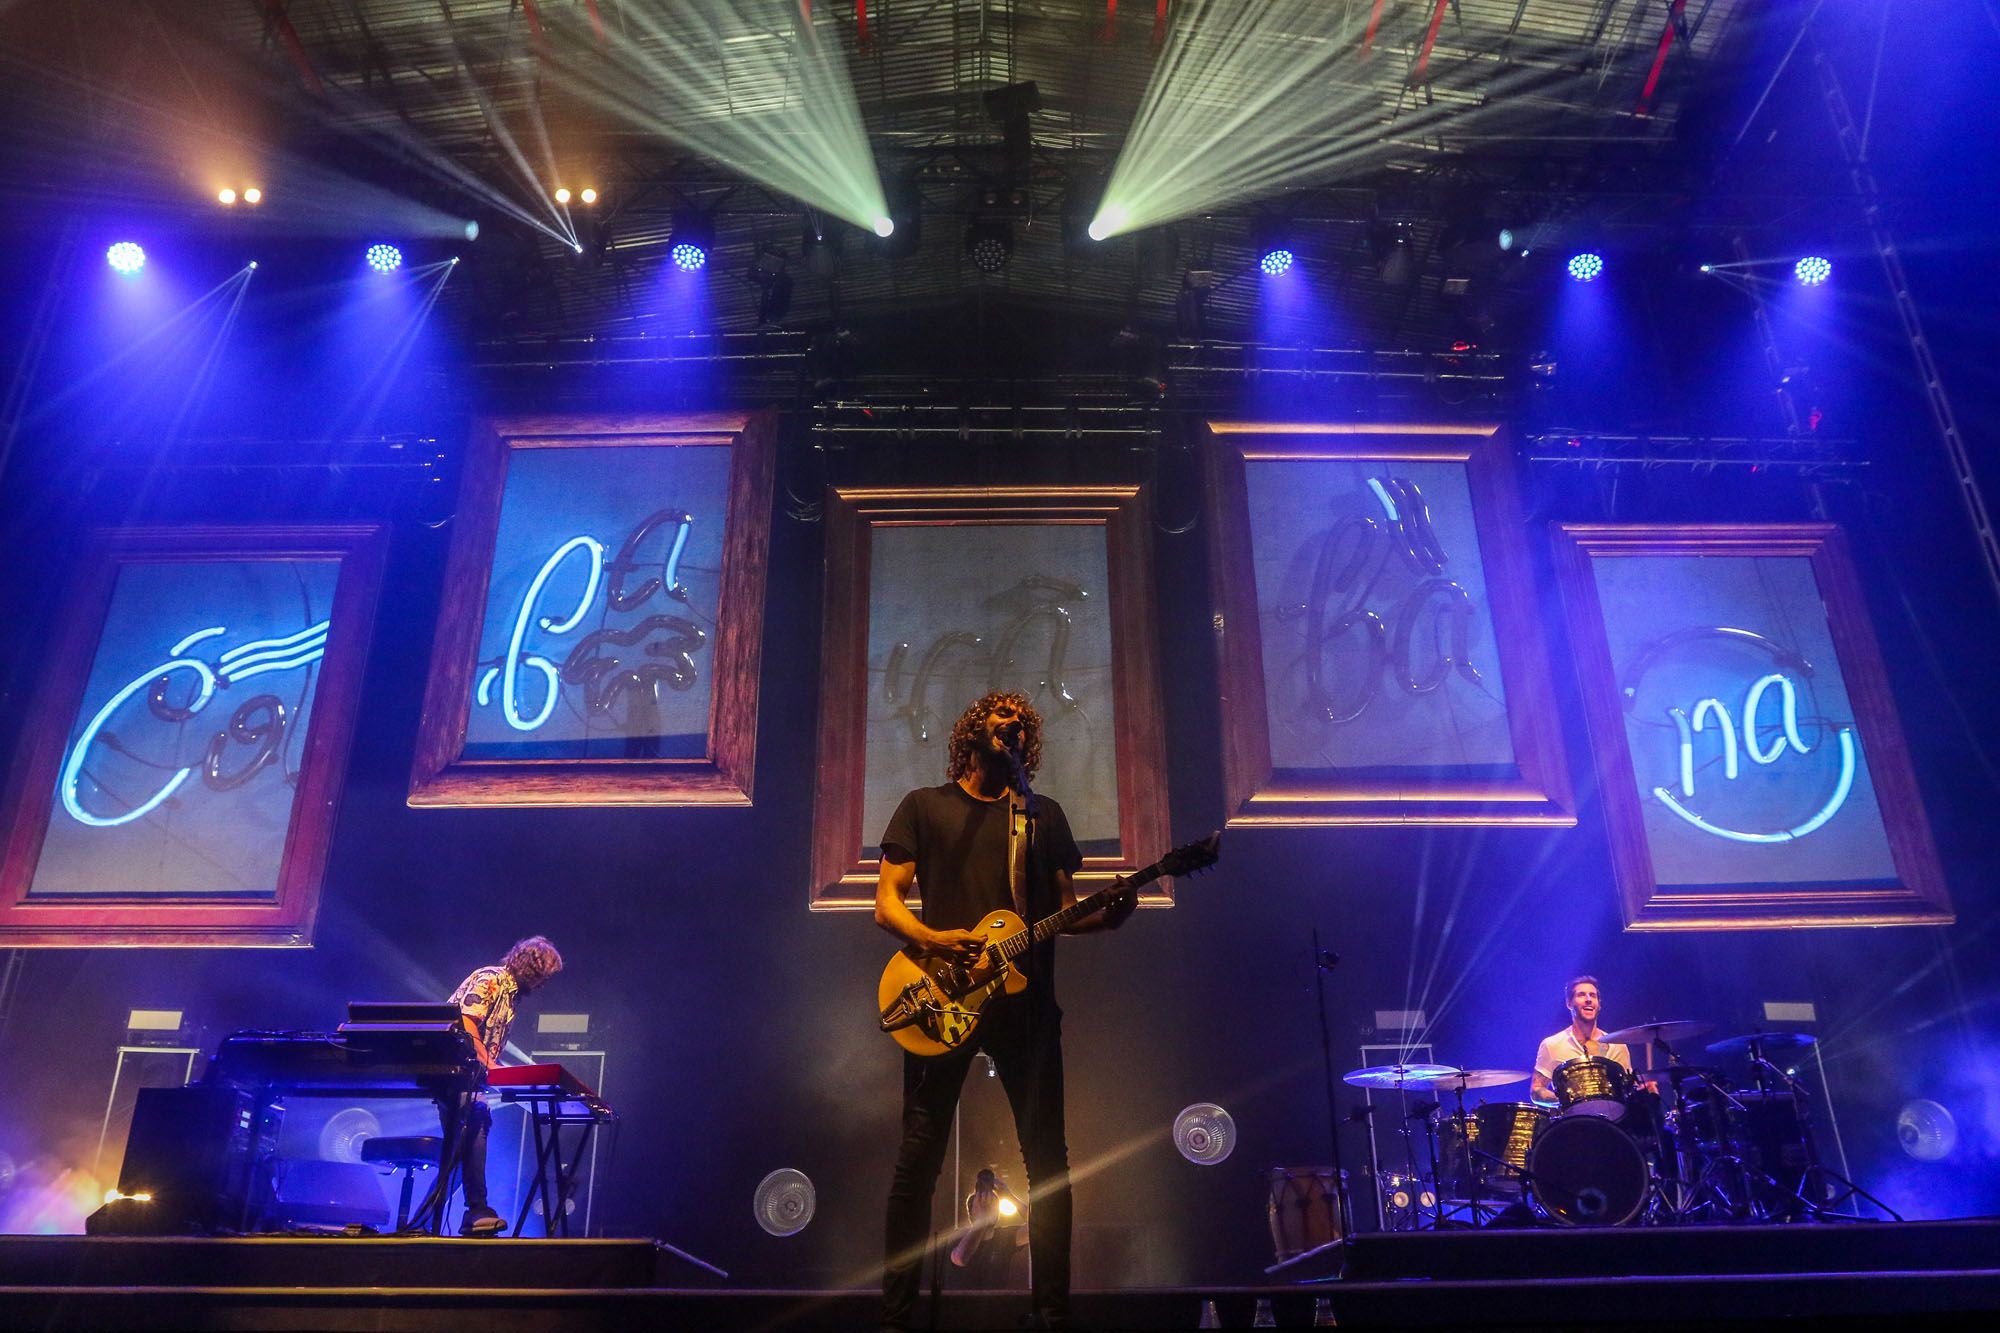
{"x": 1398, "y": 1076}
{"x": 1484, "y": 1078}
{"x": 1770, "y": 1043}
{"x": 1678, "y": 1029}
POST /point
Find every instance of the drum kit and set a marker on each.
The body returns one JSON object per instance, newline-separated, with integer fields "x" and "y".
{"x": 1675, "y": 1143}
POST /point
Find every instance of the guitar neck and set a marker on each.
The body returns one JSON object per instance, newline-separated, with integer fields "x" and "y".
{"x": 1056, "y": 922}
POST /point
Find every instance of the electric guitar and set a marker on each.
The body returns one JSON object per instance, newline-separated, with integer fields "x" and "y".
{"x": 931, "y": 1005}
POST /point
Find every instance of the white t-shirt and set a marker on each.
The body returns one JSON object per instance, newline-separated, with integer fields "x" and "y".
{"x": 1564, "y": 1046}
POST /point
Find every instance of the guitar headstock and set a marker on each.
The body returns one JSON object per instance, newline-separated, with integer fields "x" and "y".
{"x": 1194, "y": 856}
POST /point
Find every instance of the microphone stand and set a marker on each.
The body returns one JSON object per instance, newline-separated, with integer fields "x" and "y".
{"x": 1323, "y": 961}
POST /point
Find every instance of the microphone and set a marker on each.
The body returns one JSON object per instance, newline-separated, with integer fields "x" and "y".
{"x": 1010, "y": 734}
{"x": 1326, "y": 960}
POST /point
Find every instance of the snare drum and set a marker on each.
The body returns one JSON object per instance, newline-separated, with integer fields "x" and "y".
{"x": 1592, "y": 1085}
{"x": 1304, "y": 1210}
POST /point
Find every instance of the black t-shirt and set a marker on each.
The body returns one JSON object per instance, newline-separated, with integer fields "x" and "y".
{"x": 959, "y": 843}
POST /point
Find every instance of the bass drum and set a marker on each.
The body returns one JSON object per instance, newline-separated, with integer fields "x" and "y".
{"x": 1586, "y": 1172}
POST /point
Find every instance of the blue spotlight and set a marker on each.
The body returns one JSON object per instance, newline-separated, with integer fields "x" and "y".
{"x": 1586, "y": 266}
{"x": 693, "y": 233}
{"x": 384, "y": 258}
{"x": 1812, "y": 270}
{"x": 125, "y": 258}
{"x": 1271, "y": 242}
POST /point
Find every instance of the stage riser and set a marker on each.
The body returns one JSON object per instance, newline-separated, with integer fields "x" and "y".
{"x": 1844, "y": 1302}
{"x": 1610, "y": 1252}
{"x": 105, "y": 1261}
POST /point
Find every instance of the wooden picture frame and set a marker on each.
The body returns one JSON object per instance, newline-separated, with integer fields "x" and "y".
{"x": 1291, "y": 752}
{"x": 843, "y": 872}
{"x": 187, "y": 779}
{"x": 657, "y": 644}
{"x": 1746, "y": 830}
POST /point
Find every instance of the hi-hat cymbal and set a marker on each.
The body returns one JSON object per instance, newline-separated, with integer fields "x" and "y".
{"x": 1770, "y": 1043}
{"x": 1484, "y": 1078}
{"x": 1398, "y": 1076}
{"x": 1669, "y": 1030}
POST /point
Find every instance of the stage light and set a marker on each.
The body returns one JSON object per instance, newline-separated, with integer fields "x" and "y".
{"x": 253, "y": 195}
{"x": 1586, "y": 266}
{"x": 384, "y": 258}
{"x": 989, "y": 242}
{"x": 1270, "y": 237}
{"x": 1108, "y": 222}
{"x": 125, "y": 258}
{"x": 1006, "y": 1206}
{"x": 562, "y": 194}
{"x": 1395, "y": 255}
{"x": 589, "y": 196}
{"x": 1708, "y": 268}
{"x": 225, "y": 196}
{"x": 472, "y": 231}
{"x": 253, "y": 266}
{"x": 905, "y": 216}
{"x": 1812, "y": 270}
{"x": 1506, "y": 238}
{"x": 693, "y": 235}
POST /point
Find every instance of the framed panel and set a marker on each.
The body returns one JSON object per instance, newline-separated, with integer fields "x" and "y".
{"x": 178, "y": 780}
{"x": 1752, "y": 767}
{"x": 602, "y": 627}
{"x": 934, "y": 597}
{"x": 1379, "y": 657}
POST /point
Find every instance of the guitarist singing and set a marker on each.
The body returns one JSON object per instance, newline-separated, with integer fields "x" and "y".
{"x": 978, "y": 843}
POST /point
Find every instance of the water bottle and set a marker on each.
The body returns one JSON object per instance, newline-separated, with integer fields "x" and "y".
{"x": 1263, "y": 1318}
{"x": 1209, "y": 1318}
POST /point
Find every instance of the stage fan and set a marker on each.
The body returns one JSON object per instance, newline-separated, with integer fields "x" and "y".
{"x": 1926, "y": 1130}
{"x": 341, "y": 1137}
{"x": 1204, "y": 1133}
{"x": 784, "y": 1202}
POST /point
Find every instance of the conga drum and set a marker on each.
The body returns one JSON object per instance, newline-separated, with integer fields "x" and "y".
{"x": 1304, "y": 1209}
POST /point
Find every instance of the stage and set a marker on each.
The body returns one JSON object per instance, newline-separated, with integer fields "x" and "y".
{"x": 1860, "y": 1275}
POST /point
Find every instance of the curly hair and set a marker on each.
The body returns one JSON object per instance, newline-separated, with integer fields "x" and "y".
{"x": 961, "y": 751}
{"x": 532, "y": 961}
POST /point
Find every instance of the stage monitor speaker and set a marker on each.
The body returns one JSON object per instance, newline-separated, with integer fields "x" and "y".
{"x": 190, "y": 1162}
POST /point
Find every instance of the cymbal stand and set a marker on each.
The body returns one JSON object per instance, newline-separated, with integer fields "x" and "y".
{"x": 1472, "y": 1172}
{"x": 1816, "y": 1172}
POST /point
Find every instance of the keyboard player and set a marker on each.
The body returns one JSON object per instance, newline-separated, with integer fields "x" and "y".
{"x": 487, "y": 1001}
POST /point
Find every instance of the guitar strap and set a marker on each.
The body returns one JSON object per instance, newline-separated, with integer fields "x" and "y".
{"x": 1017, "y": 852}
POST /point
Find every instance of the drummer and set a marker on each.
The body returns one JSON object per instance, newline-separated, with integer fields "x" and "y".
{"x": 1581, "y": 1039}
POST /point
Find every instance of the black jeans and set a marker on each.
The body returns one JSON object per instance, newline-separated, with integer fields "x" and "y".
{"x": 472, "y": 1160}
{"x": 1023, "y": 1035}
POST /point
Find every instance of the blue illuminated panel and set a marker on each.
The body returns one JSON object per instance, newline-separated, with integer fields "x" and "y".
{"x": 598, "y": 636}
{"x": 1745, "y": 754}
{"x": 1372, "y": 607}
{"x": 181, "y": 767}
{"x": 957, "y": 610}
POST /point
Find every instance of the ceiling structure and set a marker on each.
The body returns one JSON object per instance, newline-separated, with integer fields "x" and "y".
{"x": 459, "y": 103}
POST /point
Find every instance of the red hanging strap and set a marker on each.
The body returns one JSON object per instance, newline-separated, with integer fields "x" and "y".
{"x": 1430, "y": 41}
{"x": 1676, "y": 22}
